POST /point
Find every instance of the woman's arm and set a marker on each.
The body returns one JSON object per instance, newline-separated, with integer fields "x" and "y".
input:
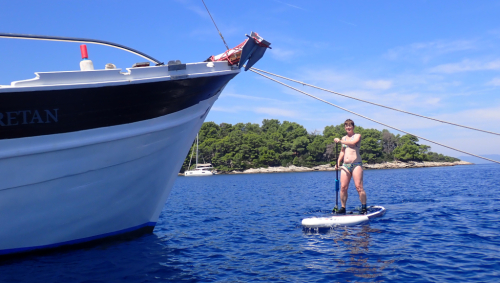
{"x": 355, "y": 140}
{"x": 341, "y": 157}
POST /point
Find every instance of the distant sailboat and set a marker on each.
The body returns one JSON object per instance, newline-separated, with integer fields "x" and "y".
{"x": 200, "y": 169}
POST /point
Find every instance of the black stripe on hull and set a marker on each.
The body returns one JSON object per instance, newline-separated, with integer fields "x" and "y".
{"x": 36, "y": 113}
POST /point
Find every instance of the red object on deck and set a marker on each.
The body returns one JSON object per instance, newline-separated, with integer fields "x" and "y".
{"x": 83, "y": 49}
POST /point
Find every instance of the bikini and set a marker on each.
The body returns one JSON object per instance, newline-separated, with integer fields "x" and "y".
{"x": 351, "y": 166}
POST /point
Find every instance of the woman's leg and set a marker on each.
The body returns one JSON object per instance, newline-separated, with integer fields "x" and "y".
{"x": 345, "y": 178}
{"x": 357, "y": 175}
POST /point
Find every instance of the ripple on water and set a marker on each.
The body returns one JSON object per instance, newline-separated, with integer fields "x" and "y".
{"x": 439, "y": 227}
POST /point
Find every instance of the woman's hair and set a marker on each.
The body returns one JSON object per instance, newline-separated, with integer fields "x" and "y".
{"x": 349, "y": 122}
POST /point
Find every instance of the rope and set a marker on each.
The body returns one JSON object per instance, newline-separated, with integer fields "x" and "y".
{"x": 227, "y": 47}
{"x": 310, "y": 95}
{"x": 421, "y": 116}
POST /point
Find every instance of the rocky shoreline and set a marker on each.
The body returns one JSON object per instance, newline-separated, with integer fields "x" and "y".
{"x": 328, "y": 167}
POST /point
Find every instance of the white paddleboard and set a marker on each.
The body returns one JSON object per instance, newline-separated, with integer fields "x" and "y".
{"x": 343, "y": 219}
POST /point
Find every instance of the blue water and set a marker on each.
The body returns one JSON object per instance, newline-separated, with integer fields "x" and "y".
{"x": 442, "y": 225}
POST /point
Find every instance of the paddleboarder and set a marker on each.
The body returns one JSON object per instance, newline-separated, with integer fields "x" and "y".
{"x": 352, "y": 166}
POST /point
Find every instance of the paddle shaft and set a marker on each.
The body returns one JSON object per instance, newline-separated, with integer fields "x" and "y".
{"x": 337, "y": 184}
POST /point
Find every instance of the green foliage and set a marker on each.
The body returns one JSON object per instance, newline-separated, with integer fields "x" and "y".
{"x": 243, "y": 146}
{"x": 408, "y": 149}
{"x": 407, "y": 152}
{"x": 371, "y": 150}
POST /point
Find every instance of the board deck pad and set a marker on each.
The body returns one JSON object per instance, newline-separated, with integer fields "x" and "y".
{"x": 348, "y": 219}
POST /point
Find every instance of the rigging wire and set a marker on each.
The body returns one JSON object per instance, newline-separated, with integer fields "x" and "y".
{"x": 190, "y": 159}
{"x": 317, "y": 98}
{"x": 227, "y": 47}
{"x": 81, "y": 40}
{"x": 430, "y": 118}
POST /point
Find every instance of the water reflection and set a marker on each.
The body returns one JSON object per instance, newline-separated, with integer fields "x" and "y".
{"x": 146, "y": 258}
{"x": 349, "y": 251}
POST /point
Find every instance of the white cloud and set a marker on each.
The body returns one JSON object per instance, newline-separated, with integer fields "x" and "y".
{"x": 433, "y": 101}
{"x": 378, "y": 84}
{"x": 290, "y": 5}
{"x": 226, "y": 109}
{"x": 374, "y": 90}
{"x": 491, "y": 147}
{"x": 275, "y": 112}
{"x": 249, "y": 97}
{"x": 481, "y": 116}
{"x": 282, "y": 54}
{"x": 466, "y": 66}
{"x": 328, "y": 78}
{"x": 494, "y": 82}
{"x": 427, "y": 50}
{"x": 197, "y": 8}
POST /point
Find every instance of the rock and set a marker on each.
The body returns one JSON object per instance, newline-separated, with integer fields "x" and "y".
{"x": 328, "y": 167}
{"x": 412, "y": 164}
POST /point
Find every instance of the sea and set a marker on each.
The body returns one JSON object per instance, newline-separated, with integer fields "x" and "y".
{"x": 442, "y": 225}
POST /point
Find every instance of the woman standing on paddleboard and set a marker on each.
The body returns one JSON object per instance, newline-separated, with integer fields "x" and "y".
{"x": 351, "y": 167}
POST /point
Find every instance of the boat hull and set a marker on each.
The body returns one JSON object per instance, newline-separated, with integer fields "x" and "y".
{"x": 81, "y": 185}
{"x": 199, "y": 173}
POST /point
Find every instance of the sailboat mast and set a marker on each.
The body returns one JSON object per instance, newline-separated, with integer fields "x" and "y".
{"x": 196, "y": 150}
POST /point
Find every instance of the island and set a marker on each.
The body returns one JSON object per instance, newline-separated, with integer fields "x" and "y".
{"x": 276, "y": 146}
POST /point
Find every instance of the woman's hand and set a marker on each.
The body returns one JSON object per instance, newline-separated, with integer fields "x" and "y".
{"x": 337, "y": 140}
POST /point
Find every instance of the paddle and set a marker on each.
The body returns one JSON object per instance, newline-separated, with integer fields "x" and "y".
{"x": 337, "y": 183}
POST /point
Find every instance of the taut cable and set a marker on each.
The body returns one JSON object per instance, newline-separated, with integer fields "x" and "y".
{"x": 380, "y": 105}
{"x": 310, "y": 95}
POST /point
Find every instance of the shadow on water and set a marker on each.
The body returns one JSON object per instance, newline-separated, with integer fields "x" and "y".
{"x": 144, "y": 259}
{"x": 349, "y": 247}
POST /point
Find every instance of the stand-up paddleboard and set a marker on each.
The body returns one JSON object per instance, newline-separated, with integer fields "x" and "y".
{"x": 343, "y": 219}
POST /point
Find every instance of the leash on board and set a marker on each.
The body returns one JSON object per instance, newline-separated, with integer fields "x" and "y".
{"x": 337, "y": 183}
{"x": 375, "y": 121}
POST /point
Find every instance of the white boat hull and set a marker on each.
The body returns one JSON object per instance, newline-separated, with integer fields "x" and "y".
{"x": 198, "y": 173}
{"x": 94, "y": 153}
{"x": 74, "y": 187}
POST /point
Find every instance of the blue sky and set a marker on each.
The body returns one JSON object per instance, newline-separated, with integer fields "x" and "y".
{"x": 436, "y": 58}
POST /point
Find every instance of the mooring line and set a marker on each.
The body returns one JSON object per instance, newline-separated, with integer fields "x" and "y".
{"x": 376, "y": 104}
{"x": 317, "y": 98}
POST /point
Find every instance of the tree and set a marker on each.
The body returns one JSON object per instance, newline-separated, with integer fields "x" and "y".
{"x": 270, "y": 126}
{"x": 331, "y": 132}
{"x": 370, "y": 150}
{"x": 409, "y": 150}
{"x": 208, "y": 130}
{"x": 291, "y": 131}
{"x": 299, "y": 145}
{"x": 268, "y": 157}
{"x": 317, "y": 148}
{"x": 249, "y": 145}
{"x": 331, "y": 152}
{"x": 389, "y": 143}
